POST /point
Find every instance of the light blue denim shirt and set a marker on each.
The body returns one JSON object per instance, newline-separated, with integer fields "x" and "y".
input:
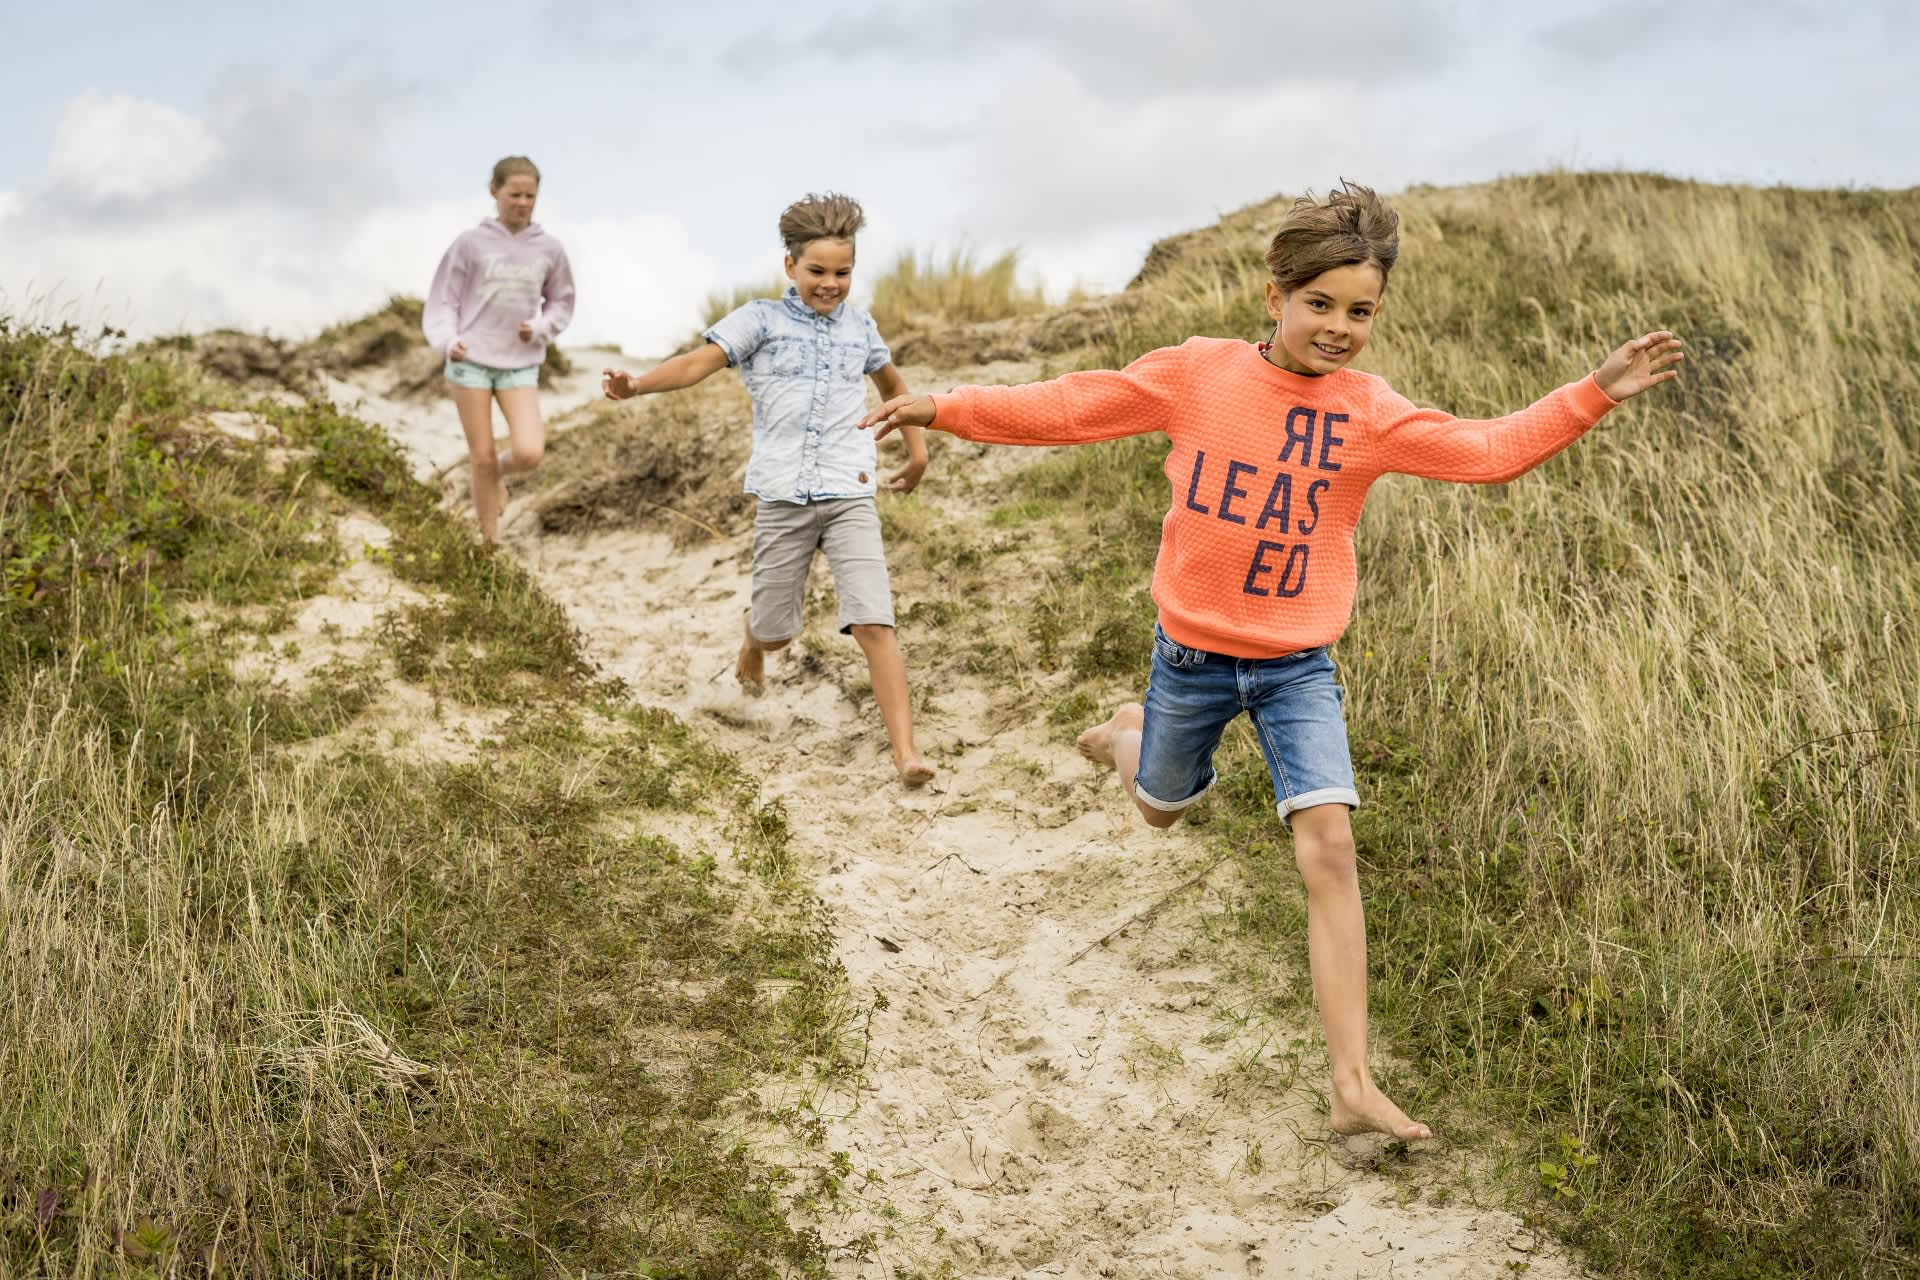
{"x": 807, "y": 375}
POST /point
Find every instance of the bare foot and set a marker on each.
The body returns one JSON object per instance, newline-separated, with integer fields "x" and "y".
{"x": 750, "y": 669}
{"x": 914, "y": 770}
{"x": 1096, "y": 744}
{"x": 1367, "y": 1110}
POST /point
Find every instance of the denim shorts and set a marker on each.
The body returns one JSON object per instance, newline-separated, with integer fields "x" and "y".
{"x": 1293, "y": 702}
{"x": 785, "y": 536}
{"x": 484, "y": 377}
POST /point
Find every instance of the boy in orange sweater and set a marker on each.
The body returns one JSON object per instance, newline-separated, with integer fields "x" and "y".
{"x": 1274, "y": 446}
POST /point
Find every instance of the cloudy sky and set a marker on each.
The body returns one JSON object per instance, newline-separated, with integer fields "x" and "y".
{"x": 279, "y": 168}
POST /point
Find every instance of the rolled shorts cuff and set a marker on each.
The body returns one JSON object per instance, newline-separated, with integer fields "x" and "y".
{"x": 1173, "y": 806}
{"x": 848, "y": 624}
{"x": 1325, "y": 795}
{"x": 768, "y": 640}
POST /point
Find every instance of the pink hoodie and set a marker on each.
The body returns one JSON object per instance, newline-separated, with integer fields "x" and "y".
{"x": 489, "y": 282}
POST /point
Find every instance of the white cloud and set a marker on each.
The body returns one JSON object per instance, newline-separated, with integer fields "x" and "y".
{"x": 321, "y": 144}
{"x": 117, "y": 147}
{"x": 1085, "y": 186}
{"x": 146, "y": 219}
{"x": 180, "y": 271}
{"x": 641, "y": 283}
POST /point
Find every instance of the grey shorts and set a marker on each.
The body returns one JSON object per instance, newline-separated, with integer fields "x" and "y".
{"x": 785, "y": 536}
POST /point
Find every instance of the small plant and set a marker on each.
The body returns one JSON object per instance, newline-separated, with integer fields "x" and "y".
{"x": 1560, "y": 1177}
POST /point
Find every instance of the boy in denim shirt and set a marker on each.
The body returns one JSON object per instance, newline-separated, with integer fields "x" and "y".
{"x": 804, "y": 358}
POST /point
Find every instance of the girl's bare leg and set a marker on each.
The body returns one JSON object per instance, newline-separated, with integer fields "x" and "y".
{"x": 475, "y": 405}
{"x": 1337, "y": 945}
{"x": 526, "y": 431}
{"x": 526, "y": 434}
{"x": 887, "y": 671}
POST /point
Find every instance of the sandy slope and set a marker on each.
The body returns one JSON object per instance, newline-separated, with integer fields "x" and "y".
{"x": 429, "y": 429}
{"x": 1035, "y": 1104}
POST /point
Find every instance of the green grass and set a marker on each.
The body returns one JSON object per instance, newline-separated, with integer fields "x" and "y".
{"x": 269, "y": 1012}
{"x": 1637, "y": 733}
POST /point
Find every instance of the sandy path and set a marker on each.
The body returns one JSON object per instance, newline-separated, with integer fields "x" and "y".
{"x": 1035, "y": 1104}
{"x": 428, "y": 428}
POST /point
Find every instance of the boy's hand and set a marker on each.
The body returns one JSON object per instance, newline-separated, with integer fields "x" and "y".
{"x": 901, "y": 411}
{"x": 904, "y": 480}
{"x": 457, "y": 352}
{"x": 1638, "y": 365}
{"x": 615, "y": 385}
{"x": 526, "y": 331}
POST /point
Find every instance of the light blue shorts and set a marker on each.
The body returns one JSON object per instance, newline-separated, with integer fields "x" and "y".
{"x": 1295, "y": 706}
{"x": 484, "y": 377}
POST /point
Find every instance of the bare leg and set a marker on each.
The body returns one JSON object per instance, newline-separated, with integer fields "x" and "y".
{"x": 1116, "y": 743}
{"x": 1337, "y": 946}
{"x": 887, "y": 671}
{"x": 526, "y": 434}
{"x": 526, "y": 431}
{"x": 489, "y": 491}
{"x": 750, "y": 668}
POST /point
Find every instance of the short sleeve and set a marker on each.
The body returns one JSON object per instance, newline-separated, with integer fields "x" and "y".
{"x": 878, "y": 356}
{"x": 740, "y": 332}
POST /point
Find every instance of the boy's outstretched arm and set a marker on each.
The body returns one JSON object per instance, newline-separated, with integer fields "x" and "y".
{"x": 1639, "y": 364}
{"x": 1074, "y": 408}
{"x": 893, "y": 387}
{"x": 902, "y": 412}
{"x": 1438, "y": 446}
{"x": 675, "y": 374}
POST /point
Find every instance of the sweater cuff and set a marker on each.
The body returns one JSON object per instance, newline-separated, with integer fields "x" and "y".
{"x": 1590, "y": 401}
{"x": 952, "y": 413}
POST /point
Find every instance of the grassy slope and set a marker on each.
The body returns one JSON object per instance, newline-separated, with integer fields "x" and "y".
{"x": 1637, "y": 732}
{"x": 272, "y": 1012}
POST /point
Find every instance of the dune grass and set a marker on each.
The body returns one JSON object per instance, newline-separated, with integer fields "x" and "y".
{"x": 1638, "y": 734}
{"x": 921, "y": 292}
{"x": 724, "y": 302}
{"x": 267, "y": 1011}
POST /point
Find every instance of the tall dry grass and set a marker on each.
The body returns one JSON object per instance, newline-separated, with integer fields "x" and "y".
{"x": 922, "y": 292}
{"x": 926, "y": 292}
{"x": 724, "y": 302}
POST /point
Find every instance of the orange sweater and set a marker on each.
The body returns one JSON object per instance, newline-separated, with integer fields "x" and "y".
{"x": 1269, "y": 470}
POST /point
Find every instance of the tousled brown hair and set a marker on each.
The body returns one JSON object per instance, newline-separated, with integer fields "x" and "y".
{"x": 1351, "y": 227}
{"x": 513, "y": 167}
{"x": 831, "y": 216}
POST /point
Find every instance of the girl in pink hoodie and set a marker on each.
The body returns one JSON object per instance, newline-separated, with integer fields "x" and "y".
{"x": 502, "y": 293}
